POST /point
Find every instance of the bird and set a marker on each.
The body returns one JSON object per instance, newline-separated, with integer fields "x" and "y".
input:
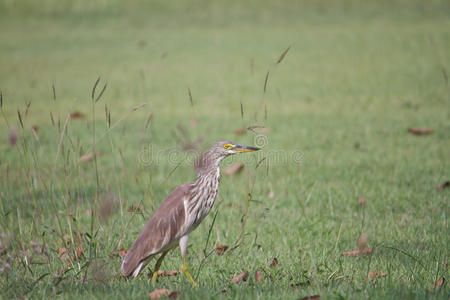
{"x": 179, "y": 214}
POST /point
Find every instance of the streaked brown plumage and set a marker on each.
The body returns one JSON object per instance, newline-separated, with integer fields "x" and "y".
{"x": 181, "y": 212}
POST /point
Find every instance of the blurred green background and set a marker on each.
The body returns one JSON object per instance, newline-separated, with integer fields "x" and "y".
{"x": 357, "y": 75}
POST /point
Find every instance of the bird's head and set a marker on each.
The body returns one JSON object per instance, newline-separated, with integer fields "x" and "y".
{"x": 226, "y": 148}
{"x": 219, "y": 151}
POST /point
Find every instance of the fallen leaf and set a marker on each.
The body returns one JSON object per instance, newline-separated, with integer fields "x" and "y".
{"x": 162, "y": 273}
{"x": 172, "y": 273}
{"x": 444, "y": 185}
{"x": 75, "y": 115}
{"x": 79, "y": 253}
{"x": 358, "y": 252}
{"x": 258, "y": 276}
{"x": 362, "y": 241}
{"x": 362, "y": 201}
{"x": 315, "y": 297}
{"x": 240, "y": 131}
{"x": 122, "y": 252}
{"x": 63, "y": 253}
{"x": 376, "y": 274}
{"x": 234, "y": 169}
{"x": 220, "y": 249}
{"x": 439, "y": 283}
{"x": 274, "y": 262}
{"x": 135, "y": 208}
{"x": 89, "y": 157}
{"x": 12, "y": 137}
{"x": 241, "y": 277}
{"x": 161, "y": 293}
{"x": 420, "y": 131}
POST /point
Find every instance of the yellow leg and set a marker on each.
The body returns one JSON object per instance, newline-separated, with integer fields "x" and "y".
{"x": 185, "y": 270}
{"x": 157, "y": 266}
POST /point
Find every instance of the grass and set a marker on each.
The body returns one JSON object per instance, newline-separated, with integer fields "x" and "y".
{"x": 357, "y": 76}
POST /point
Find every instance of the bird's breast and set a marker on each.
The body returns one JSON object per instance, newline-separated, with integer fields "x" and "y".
{"x": 203, "y": 197}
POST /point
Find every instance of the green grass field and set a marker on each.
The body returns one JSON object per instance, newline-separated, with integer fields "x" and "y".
{"x": 337, "y": 109}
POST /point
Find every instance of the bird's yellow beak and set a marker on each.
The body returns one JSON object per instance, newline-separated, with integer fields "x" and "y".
{"x": 239, "y": 148}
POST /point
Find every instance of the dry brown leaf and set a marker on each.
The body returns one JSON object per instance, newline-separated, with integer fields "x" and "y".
{"x": 162, "y": 293}
{"x": 420, "y": 131}
{"x": 12, "y": 137}
{"x": 79, "y": 253}
{"x": 64, "y": 255}
{"x": 220, "y": 249}
{"x": 62, "y": 251}
{"x": 241, "y": 277}
{"x": 258, "y": 276}
{"x": 274, "y": 262}
{"x": 362, "y": 201}
{"x": 240, "y": 131}
{"x": 122, "y": 252}
{"x": 358, "y": 252}
{"x": 234, "y": 169}
{"x": 135, "y": 208}
{"x": 75, "y": 115}
{"x": 314, "y": 297}
{"x": 444, "y": 185}
{"x": 162, "y": 273}
{"x": 440, "y": 283}
{"x": 376, "y": 274}
{"x": 88, "y": 157}
{"x": 362, "y": 241}
{"x": 172, "y": 273}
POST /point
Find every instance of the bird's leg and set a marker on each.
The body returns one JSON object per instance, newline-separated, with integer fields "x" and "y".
{"x": 185, "y": 270}
{"x": 184, "y": 267}
{"x": 157, "y": 266}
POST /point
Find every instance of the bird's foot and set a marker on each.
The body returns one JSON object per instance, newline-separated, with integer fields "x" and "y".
{"x": 185, "y": 270}
{"x": 154, "y": 277}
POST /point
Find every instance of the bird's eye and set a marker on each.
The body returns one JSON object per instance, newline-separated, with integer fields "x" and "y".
{"x": 228, "y": 146}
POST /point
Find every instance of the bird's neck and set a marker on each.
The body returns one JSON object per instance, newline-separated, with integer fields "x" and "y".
{"x": 211, "y": 174}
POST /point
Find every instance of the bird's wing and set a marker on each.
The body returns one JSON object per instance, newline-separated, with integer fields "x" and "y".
{"x": 163, "y": 228}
